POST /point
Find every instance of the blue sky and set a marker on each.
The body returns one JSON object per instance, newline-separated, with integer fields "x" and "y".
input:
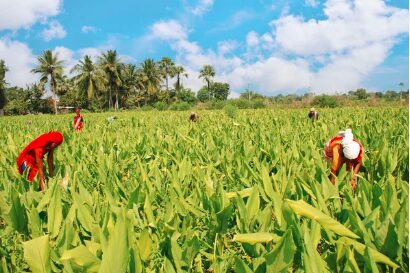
{"x": 273, "y": 47}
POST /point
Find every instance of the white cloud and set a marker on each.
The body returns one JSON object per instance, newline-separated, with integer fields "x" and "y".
{"x": 168, "y": 30}
{"x": 311, "y": 3}
{"x": 54, "y": 31}
{"x": 225, "y": 47}
{"x": 67, "y": 56}
{"x": 270, "y": 76}
{"x": 90, "y": 51}
{"x": 202, "y": 7}
{"x": 346, "y": 71}
{"x": 252, "y": 39}
{"x": 347, "y": 26}
{"x": 234, "y": 95}
{"x": 88, "y": 29}
{"x": 24, "y": 13}
{"x": 349, "y": 44}
{"x": 234, "y": 21}
{"x": 20, "y": 60}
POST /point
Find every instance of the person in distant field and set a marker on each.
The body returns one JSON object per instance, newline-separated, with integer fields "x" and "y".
{"x": 193, "y": 117}
{"x": 341, "y": 149}
{"x": 313, "y": 114}
{"x": 111, "y": 118}
{"x": 31, "y": 157}
{"x": 78, "y": 121}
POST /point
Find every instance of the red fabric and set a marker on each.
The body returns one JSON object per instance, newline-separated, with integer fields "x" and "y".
{"x": 28, "y": 155}
{"x": 77, "y": 118}
{"x": 328, "y": 152}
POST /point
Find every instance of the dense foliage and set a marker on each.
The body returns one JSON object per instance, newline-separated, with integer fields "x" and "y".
{"x": 152, "y": 192}
{"x": 106, "y": 82}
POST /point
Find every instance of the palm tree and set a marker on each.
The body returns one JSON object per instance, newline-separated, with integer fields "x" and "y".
{"x": 89, "y": 78}
{"x": 401, "y": 88}
{"x": 112, "y": 66}
{"x": 179, "y": 71}
{"x": 50, "y": 68}
{"x": 133, "y": 81}
{"x": 3, "y": 70}
{"x": 166, "y": 66}
{"x": 151, "y": 76}
{"x": 207, "y": 72}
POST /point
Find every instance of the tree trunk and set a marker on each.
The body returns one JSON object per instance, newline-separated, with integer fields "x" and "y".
{"x": 53, "y": 86}
{"x": 109, "y": 99}
{"x": 209, "y": 92}
{"x": 116, "y": 100}
{"x": 1, "y": 112}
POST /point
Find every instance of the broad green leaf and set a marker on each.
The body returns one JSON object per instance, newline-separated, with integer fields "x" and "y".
{"x": 281, "y": 257}
{"x": 169, "y": 268}
{"x": 304, "y": 209}
{"x": 267, "y": 183}
{"x": 3, "y": 266}
{"x": 374, "y": 254}
{"x": 17, "y": 214}
{"x": 243, "y": 193}
{"x": 115, "y": 258}
{"x": 37, "y": 254}
{"x": 241, "y": 267}
{"x": 371, "y": 266}
{"x": 252, "y": 205}
{"x": 145, "y": 245}
{"x": 35, "y": 223}
{"x": 253, "y": 238}
{"x": 148, "y": 212}
{"x": 82, "y": 258}
{"x": 54, "y": 211}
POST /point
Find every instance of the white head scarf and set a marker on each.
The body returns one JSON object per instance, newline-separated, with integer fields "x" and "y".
{"x": 351, "y": 148}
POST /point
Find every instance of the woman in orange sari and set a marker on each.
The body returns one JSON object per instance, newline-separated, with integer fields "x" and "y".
{"x": 78, "y": 121}
{"x": 32, "y": 156}
{"x": 344, "y": 149}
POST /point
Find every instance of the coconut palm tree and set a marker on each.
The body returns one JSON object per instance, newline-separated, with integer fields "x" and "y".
{"x": 207, "y": 72}
{"x": 50, "y": 69}
{"x": 3, "y": 70}
{"x": 166, "y": 66}
{"x": 401, "y": 88}
{"x": 111, "y": 64}
{"x": 178, "y": 72}
{"x": 133, "y": 81}
{"x": 151, "y": 76}
{"x": 89, "y": 78}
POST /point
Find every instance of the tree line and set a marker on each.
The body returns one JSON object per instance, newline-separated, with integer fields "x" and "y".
{"x": 110, "y": 84}
{"x": 107, "y": 83}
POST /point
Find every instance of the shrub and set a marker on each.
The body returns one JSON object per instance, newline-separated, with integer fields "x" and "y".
{"x": 242, "y": 103}
{"x": 215, "y": 104}
{"x": 180, "y": 106}
{"x": 258, "y": 103}
{"x": 147, "y": 108}
{"x": 160, "y": 105}
{"x": 230, "y": 110}
{"x": 325, "y": 101}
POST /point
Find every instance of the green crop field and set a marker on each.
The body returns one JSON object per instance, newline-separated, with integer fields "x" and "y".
{"x": 242, "y": 192}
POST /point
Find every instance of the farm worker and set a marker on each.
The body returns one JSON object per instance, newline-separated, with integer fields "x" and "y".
{"x": 193, "y": 117}
{"x": 78, "y": 121}
{"x": 32, "y": 155}
{"x": 111, "y": 118}
{"x": 313, "y": 114}
{"x": 343, "y": 148}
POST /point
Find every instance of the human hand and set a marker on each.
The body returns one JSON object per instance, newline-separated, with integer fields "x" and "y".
{"x": 353, "y": 182}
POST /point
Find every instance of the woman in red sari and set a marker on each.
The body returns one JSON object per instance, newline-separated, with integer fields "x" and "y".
{"x": 32, "y": 156}
{"x": 344, "y": 149}
{"x": 78, "y": 121}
